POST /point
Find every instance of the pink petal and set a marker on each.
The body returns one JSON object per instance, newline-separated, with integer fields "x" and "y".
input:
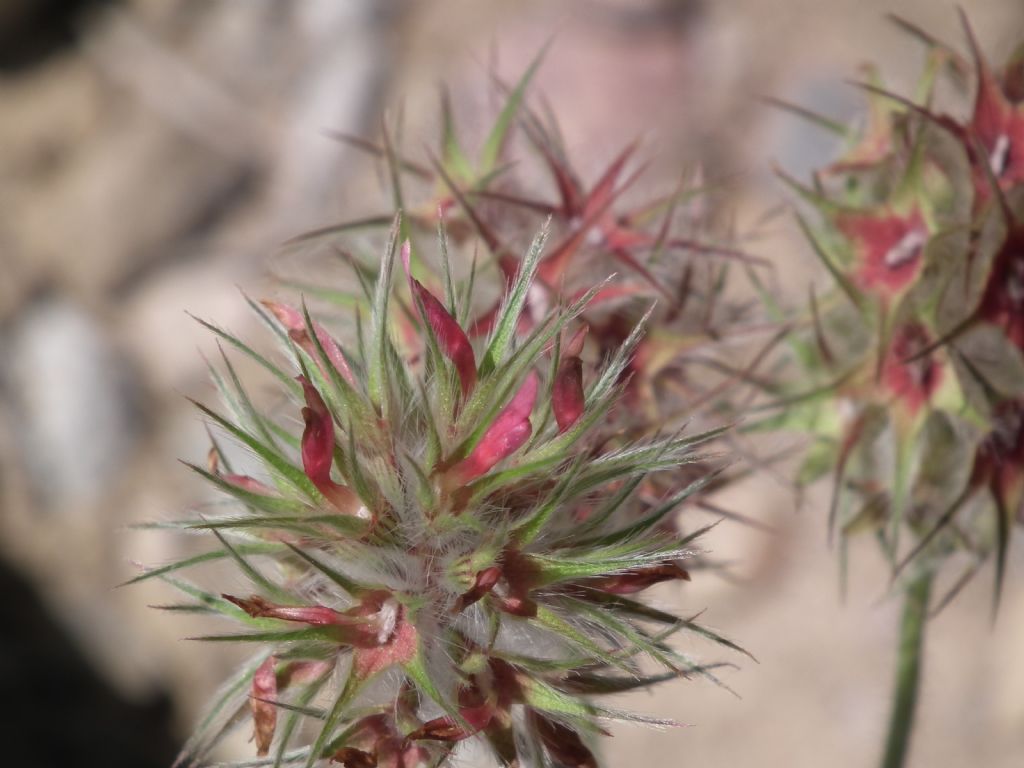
{"x": 318, "y": 452}
{"x": 294, "y": 321}
{"x": 450, "y": 337}
{"x": 264, "y": 712}
{"x": 520, "y": 407}
{"x": 504, "y": 437}
{"x": 567, "y": 399}
{"x": 491, "y": 450}
{"x": 317, "y": 437}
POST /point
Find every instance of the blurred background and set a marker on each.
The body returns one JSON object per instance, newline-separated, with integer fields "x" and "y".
{"x": 154, "y": 153}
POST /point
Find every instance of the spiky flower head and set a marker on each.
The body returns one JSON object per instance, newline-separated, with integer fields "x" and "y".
{"x": 444, "y": 553}
{"x": 663, "y": 251}
{"x": 915, "y": 356}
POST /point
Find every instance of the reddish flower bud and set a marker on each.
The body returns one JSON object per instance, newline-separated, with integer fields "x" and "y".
{"x": 504, "y": 437}
{"x": 314, "y": 615}
{"x": 295, "y": 323}
{"x": 450, "y": 337}
{"x": 638, "y": 579}
{"x": 318, "y": 452}
{"x": 264, "y": 711}
{"x": 318, "y": 436}
{"x": 370, "y": 632}
{"x": 567, "y": 400}
{"x": 485, "y": 581}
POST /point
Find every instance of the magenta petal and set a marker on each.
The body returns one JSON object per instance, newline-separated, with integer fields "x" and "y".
{"x": 504, "y": 437}
{"x": 492, "y": 449}
{"x": 521, "y": 406}
{"x": 317, "y": 437}
{"x": 450, "y": 337}
{"x": 318, "y": 452}
{"x": 567, "y": 399}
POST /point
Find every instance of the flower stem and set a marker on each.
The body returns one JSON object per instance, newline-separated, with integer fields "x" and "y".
{"x": 908, "y": 670}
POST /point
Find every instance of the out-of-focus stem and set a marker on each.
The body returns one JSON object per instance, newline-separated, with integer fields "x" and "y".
{"x": 908, "y": 671}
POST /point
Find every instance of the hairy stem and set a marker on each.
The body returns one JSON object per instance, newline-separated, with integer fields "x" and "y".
{"x": 908, "y": 671}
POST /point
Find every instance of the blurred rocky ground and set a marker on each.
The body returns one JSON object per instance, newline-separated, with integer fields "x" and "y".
{"x": 153, "y": 154}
